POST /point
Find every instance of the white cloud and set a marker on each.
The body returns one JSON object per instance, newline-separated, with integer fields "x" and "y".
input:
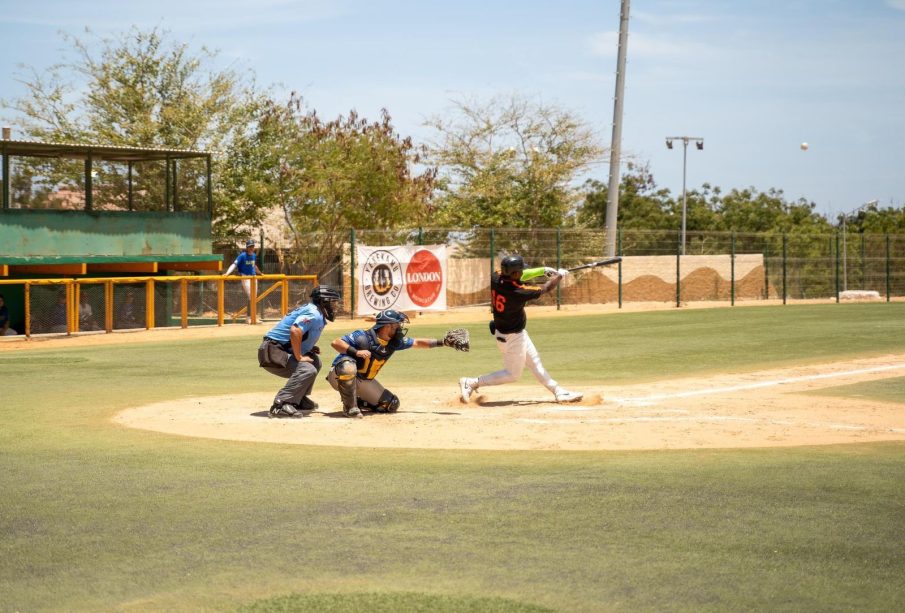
{"x": 896, "y": 4}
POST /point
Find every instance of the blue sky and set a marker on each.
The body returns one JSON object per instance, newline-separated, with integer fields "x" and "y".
{"x": 753, "y": 78}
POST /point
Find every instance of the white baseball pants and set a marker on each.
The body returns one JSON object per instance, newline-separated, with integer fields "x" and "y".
{"x": 518, "y": 351}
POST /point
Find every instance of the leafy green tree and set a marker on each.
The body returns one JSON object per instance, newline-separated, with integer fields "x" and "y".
{"x": 329, "y": 176}
{"x": 879, "y": 220}
{"x": 510, "y": 162}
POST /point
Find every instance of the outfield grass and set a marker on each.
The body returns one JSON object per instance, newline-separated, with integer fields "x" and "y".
{"x": 884, "y": 390}
{"x": 98, "y": 517}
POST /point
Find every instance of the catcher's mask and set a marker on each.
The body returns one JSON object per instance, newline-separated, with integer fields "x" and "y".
{"x": 325, "y": 298}
{"x": 390, "y": 317}
{"x": 512, "y": 266}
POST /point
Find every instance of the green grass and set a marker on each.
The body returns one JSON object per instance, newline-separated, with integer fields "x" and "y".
{"x": 99, "y": 517}
{"x": 884, "y": 390}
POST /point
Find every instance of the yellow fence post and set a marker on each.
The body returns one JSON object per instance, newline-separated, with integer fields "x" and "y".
{"x": 76, "y": 300}
{"x": 184, "y": 286}
{"x": 69, "y": 292}
{"x": 27, "y": 310}
{"x": 108, "y": 306}
{"x": 284, "y": 301}
{"x": 149, "y": 304}
{"x": 220, "y": 290}
{"x": 253, "y": 302}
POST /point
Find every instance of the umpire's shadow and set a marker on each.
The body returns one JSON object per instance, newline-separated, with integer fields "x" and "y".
{"x": 267, "y": 414}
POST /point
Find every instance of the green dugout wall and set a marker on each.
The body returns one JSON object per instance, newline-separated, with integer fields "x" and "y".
{"x": 43, "y": 233}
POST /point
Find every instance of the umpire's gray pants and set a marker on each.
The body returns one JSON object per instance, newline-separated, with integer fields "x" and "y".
{"x": 301, "y": 377}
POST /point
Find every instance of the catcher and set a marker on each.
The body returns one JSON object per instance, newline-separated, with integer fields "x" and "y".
{"x": 363, "y": 353}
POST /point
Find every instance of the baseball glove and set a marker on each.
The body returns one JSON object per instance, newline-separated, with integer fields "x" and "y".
{"x": 458, "y": 339}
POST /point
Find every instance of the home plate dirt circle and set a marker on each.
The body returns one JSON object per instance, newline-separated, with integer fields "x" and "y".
{"x": 767, "y": 408}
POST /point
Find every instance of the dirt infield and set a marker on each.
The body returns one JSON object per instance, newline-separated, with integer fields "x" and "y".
{"x": 757, "y": 409}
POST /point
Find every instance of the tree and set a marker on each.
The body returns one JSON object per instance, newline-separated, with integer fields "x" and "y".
{"x": 510, "y": 162}
{"x": 136, "y": 89}
{"x": 641, "y": 204}
{"x": 329, "y": 176}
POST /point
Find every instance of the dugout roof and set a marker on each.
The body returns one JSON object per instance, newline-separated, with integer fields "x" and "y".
{"x": 109, "y": 153}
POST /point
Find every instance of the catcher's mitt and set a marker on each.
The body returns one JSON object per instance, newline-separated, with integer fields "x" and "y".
{"x": 458, "y": 339}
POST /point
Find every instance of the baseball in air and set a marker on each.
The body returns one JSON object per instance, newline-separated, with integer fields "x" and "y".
{"x": 804, "y": 146}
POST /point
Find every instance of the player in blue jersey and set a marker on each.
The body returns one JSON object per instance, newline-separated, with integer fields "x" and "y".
{"x": 362, "y": 354}
{"x": 246, "y": 264}
{"x": 290, "y": 351}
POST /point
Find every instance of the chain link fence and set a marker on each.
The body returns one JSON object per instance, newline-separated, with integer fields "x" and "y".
{"x": 715, "y": 266}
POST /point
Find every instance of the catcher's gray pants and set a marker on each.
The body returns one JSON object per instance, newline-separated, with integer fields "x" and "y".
{"x": 301, "y": 377}
{"x": 350, "y": 390}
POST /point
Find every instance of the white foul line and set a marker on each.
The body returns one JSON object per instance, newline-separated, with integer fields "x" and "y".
{"x": 751, "y": 386}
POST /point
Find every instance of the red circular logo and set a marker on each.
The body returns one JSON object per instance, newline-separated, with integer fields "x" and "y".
{"x": 423, "y": 278}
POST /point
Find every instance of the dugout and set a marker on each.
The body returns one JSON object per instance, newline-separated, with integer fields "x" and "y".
{"x": 78, "y": 210}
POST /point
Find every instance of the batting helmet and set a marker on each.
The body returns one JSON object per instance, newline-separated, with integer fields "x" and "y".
{"x": 325, "y": 298}
{"x": 512, "y": 265}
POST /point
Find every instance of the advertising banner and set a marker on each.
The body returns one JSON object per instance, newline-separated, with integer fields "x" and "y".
{"x": 405, "y": 278}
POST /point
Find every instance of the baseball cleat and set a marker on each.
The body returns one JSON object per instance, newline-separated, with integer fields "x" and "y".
{"x": 283, "y": 410}
{"x": 567, "y": 396}
{"x": 354, "y": 412}
{"x": 467, "y": 387}
{"x": 307, "y": 404}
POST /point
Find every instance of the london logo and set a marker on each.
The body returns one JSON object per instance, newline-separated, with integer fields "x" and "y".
{"x": 423, "y": 278}
{"x": 382, "y": 279}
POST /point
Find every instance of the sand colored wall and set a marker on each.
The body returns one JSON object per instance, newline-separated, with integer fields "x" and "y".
{"x": 644, "y": 278}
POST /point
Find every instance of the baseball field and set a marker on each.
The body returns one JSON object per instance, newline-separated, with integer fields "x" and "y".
{"x": 723, "y": 459}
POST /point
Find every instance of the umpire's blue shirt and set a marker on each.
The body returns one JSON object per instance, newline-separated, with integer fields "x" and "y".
{"x": 308, "y": 318}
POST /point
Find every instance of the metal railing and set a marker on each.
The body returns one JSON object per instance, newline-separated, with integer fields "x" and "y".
{"x": 72, "y": 306}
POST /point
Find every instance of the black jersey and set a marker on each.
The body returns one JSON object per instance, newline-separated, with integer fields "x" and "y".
{"x": 507, "y": 301}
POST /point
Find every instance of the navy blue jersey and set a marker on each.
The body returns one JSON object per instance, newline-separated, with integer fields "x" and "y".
{"x": 381, "y": 351}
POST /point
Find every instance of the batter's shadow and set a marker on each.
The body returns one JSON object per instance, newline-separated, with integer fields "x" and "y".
{"x": 510, "y": 403}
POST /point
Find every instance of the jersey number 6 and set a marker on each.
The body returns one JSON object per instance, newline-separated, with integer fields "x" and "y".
{"x": 499, "y": 302}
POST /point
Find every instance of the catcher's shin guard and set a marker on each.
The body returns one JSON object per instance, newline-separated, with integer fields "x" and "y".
{"x": 347, "y": 385}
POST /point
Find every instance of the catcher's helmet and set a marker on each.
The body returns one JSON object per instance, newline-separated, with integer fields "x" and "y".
{"x": 512, "y": 265}
{"x": 391, "y": 316}
{"x": 325, "y": 298}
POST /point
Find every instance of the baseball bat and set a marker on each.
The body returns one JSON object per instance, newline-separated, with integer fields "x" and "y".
{"x": 606, "y": 262}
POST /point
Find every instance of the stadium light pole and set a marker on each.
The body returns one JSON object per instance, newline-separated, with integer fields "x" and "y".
{"x": 699, "y": 144}
{"x": 864, "y": 207}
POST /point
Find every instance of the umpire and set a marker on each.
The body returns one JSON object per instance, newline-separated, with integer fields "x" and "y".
{"x": 290, "y": 351}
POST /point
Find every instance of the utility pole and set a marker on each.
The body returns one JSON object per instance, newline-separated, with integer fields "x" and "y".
{"x": 612, "y": 204}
